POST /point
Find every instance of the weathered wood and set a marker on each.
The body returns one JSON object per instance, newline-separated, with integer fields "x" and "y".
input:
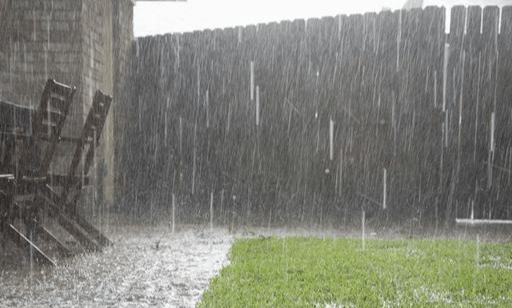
{"x": 90, "y": 135}
{"x": 86, "y": 234}
{"x": 69, "y": 223}
{"x": 93, "y": 231}
{"x": 6, "y": 184}
{"x": 70, "y": 226}
{"x": 400, "y": 100}
{"x": 46, "y": 235}
{"x": 502, "y": 164}
{"x": 19, "y": 239}
{"x": 48, "y": 121}
{"x": 28, "y": 191}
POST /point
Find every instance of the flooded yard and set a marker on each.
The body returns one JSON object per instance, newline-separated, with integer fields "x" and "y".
{"x": 146, "y": 267}
{"x": 149, "y": 266}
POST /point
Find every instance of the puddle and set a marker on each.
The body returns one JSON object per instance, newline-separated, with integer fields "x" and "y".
{"x": 145, "y": 267}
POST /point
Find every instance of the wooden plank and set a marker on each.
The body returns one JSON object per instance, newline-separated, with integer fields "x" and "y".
{"x": 412, "y": 106}
{"x": 39, "y": 256}
{"x": 5, "y": 201}
{"x": 487, "y": 113}
{"x": 39, "y": 125}
{"x": 502, "y": 175}
{"x": 56, "y": 204}
{"x": 430, "y": 117}
{"x": 368, "y": 98}
{"x": 61, "y": 180}
{"x": 92, "y": 129}
{"x": 93, "y": 231}
{"x": 78, "y": 234}
{"x": 67, "y": 223}
{"x": 328, "y": 44}
{"x": 86, "y": 234}
{"x": 462, "y": 102}
{"x": 457, "y": 115}
{"x": 46, "y": 235}
{"x": 475, "y": 115}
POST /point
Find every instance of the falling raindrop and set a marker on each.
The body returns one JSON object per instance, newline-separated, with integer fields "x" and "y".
{"x": 363, "y": 231}
{"x": 173, "y": 216}
{"x": 331, "y": 139}
{"x": 211, "y": 213}
{"x": 257, "y": 105}
{"x": 252, "y": 81}
{"x": 384, "y": 189}
{"x": 490, "y": 158}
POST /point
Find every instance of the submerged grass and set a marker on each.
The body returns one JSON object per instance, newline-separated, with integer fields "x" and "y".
{"x": 337, "y": 272}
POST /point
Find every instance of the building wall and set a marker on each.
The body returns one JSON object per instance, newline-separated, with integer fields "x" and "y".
{"x": 96, "y": 65}
{"x": 123, "y": 42}
{"x": 36, "y": 47}
{"x": 77, "y": 42}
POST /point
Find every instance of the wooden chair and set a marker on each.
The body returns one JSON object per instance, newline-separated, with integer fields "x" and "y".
{"x": 47, "y": 124}
{"x": 72, "y": 183}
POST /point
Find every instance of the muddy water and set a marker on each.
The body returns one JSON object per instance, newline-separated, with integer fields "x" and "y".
{"x": 146, "y": 267}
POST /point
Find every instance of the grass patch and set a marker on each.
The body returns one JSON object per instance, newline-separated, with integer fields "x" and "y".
{"x": 337, "y": 272}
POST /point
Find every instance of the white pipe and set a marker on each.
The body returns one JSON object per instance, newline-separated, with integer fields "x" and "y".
{"x": 468, "y": 221}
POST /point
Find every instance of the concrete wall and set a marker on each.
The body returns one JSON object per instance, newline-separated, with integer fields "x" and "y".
{"x": 78, "y": 42}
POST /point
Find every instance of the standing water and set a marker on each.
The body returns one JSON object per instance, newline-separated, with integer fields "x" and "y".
{"x": 146, "y": 267}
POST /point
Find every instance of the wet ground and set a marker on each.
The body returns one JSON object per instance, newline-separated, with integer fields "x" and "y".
{"x": 152, "y": 267}
{"x": 146, "y": 267}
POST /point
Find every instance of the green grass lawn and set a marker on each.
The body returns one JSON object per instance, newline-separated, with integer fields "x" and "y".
{"x": 338, "y": 272}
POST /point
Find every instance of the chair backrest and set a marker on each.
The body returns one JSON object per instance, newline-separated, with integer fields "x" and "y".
{"x": 47, "y": 125}
{"x": 86, "y": 144}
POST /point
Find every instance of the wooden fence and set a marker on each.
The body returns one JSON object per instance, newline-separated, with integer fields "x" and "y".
{"x": 312, "y": 121}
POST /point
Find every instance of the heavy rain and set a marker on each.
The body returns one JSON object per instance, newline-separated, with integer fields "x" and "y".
{"x": 131, "y": 166}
